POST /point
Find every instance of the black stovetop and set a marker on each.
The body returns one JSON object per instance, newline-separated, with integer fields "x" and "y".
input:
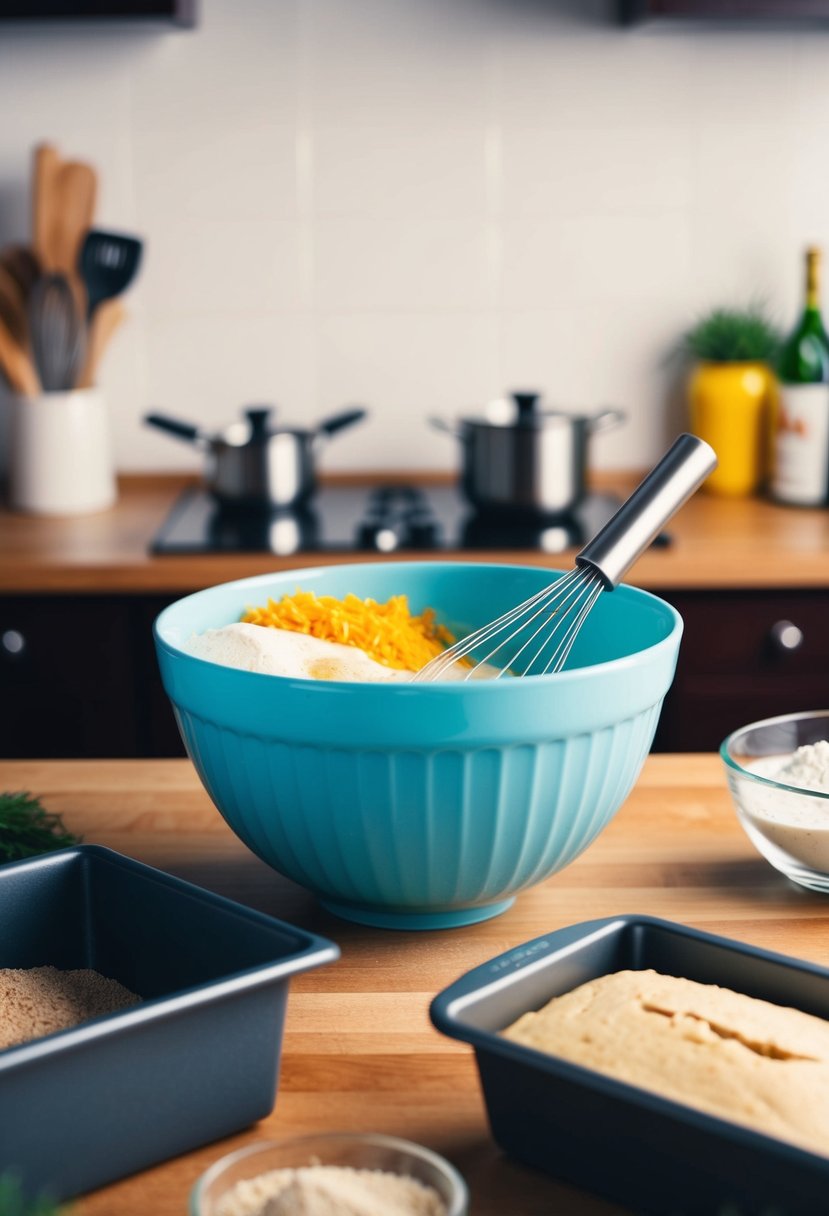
{"x": 380, "y": 519}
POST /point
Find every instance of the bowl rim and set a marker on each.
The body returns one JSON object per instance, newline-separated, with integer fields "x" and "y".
{"x": 447, "y": 688}
{"x": 459, "y": 1198}
{"x": 771, "y": 782}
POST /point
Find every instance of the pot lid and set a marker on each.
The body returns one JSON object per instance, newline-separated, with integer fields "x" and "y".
{"x": 524, "y": 410}
{"x": 256, "y": 428}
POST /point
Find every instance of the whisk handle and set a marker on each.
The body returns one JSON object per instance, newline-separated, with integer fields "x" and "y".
{"x": 641, "y": 518}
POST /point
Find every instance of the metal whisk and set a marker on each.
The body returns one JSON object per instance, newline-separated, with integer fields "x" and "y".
{"x": 535, "y": 637}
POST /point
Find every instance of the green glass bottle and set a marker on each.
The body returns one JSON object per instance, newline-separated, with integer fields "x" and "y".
{"x": 801, "y": 431}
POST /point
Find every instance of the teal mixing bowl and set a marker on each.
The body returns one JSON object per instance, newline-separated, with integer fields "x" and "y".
{"x": 422, "y": 805}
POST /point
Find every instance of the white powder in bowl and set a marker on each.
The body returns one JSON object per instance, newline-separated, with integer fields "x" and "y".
{"x": 300, "y": 656}
{"x": 807, "y": 768}
{"x": 331, "y": 1190}
{"x": 281, "y": 652}
{"x": 796, "y": 823}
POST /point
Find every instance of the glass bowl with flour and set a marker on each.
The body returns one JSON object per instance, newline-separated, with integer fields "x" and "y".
{"x": 331, "y": 1174}
{"x": 778, "y": 775}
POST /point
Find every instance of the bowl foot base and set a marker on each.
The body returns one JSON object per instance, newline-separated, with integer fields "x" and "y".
{"x": 451, "y": 918}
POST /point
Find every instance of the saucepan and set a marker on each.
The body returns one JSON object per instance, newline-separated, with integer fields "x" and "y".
{"x": 533, "y": 462}
{"x": 254, "y": 463}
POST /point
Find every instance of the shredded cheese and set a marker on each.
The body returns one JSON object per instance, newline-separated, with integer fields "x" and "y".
{"x": 386, "y": 632}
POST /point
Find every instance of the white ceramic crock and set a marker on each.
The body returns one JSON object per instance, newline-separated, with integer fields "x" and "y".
{"x": 59, "y": 453}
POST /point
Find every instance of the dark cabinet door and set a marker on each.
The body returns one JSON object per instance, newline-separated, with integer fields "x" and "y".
{"x": 158, "y": 731}
{"x": 633, "y": 11}
{"x": 744, "y": 656}
{"x": 67, "y": 677}
{"x": 175, "y": 12}
{"x": 79, "y": 676}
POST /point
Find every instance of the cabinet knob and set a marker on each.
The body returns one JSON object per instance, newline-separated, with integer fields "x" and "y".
{"x": 12, "y": 645}
{"x": 786, "y": 637}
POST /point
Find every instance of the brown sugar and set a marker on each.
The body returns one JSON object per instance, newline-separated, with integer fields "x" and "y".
{"x": 40, "y": 1000}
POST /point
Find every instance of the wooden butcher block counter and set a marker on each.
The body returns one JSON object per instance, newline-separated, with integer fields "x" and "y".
{"x": 359, "y": 1050}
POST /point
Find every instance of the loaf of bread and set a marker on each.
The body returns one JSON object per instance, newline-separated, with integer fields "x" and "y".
{"x": 720, "y": 1051}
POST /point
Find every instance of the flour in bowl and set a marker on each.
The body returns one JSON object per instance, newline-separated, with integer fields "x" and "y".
{"x": 797, "y": 823}
{"x": 807, "y": 768}
{"x": 331, "y": 1190}
{"x": 299, "y": 656}
{"x": 279, "y": 652}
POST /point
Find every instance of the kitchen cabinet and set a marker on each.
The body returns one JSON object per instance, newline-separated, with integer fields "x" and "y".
{"x": 174, "y": 12}
{"x": 80, "y": 676}
{"x": 72, "y": 684}
{"x": 631, "y": 12}
{"x": 745, "y": 655}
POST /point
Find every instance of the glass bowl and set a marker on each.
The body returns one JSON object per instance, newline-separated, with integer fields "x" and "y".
{"x": 357, "y": 1151}
{"x": 787, "y": 824}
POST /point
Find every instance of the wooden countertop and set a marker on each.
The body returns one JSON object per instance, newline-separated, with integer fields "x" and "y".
{"x": 742, "y": 543}
{"x": 359, "y": 1051}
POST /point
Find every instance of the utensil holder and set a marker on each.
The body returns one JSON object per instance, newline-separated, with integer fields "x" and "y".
{"x": 59, "y": 454}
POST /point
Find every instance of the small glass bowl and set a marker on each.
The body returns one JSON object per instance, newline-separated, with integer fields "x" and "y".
{"x": 788, "y": 825}
{"x": 358, "y": 1151}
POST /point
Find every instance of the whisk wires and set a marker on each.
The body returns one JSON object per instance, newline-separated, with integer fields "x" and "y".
{"x": 533, "y": 638}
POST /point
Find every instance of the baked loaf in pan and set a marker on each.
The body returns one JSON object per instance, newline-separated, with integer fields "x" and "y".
{"x": 725, "y": 1053}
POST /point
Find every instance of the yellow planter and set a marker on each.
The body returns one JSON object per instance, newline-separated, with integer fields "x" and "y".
{"x": 730, "y": 404}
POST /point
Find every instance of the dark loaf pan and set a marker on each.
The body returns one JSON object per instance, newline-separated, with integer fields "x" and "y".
{"x": 196, "y": 1060}
{"x": 653, "y": 1155}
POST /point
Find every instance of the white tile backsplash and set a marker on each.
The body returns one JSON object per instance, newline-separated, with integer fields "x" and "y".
{"x": 386, "y": 172}
{"x": 225, "y": 266}
{"x": 573, "y": 259}
{"x": 417, "y": 204}
{"x": 218, "y": 172}
{"x": 593, "y": 76}
{"x": 398, "y": 63}
{"x": 409, "y": 262}
{"x": 567, "y": 171}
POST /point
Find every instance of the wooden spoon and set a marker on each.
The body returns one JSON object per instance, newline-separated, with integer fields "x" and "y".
{"x": 16, "y": 365}
{"x": 22, "y": 264}
{"x": 44, "y": 201}
{"x": 105, "y": 320}
{"x": 13, "y": 308}
{"x": 76, "y": 188}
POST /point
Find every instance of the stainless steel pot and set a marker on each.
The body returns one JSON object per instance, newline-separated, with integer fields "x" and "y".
{"x": 255, "y": 464}
{"x": 536, "y": 462}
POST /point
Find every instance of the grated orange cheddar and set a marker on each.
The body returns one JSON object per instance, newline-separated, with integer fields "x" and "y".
{"x": 386, "y": 632}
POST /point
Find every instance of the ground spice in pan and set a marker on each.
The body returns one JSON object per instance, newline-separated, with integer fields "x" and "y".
{"x": 40, "y": 1000}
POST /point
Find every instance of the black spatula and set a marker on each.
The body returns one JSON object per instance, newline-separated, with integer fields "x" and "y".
{"x": 108, "y": 262}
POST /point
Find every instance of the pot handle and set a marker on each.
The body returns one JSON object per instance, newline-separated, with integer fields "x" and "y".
{"x": 606, "y": 420}
{"x": 181, "y": 430}
{"x": 440, "y": 424}
{"x": 339, "y": 421}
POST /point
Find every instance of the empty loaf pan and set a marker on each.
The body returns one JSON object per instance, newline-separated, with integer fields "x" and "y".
{"x": 196, "y": 1060}
{"x": 649, "y": 1153}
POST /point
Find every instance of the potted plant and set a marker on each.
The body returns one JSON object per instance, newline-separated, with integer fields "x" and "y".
{"x": 730, "y": 392}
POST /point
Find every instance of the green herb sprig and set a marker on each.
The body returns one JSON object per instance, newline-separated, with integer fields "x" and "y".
{"x": 730, "y": 335}
{"x": 26, "y": 830}
{"x": 12, "y": 1202}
